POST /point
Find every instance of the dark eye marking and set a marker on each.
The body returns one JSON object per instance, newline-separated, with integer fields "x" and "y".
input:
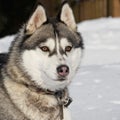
{"x": 68, "y": 48}
{"x": 44, "y": 49}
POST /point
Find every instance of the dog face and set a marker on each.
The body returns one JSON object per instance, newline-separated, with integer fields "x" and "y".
{"x": 52, "y": 52}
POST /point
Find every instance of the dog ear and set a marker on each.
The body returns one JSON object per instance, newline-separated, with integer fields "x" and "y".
{"x": 66, "y": 15}
{"x": 36, "y": 20}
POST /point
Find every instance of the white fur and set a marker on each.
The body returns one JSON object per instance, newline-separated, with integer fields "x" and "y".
{"x": 64, "y": 42}
{"x": 50, "y": 43}
{"x": 42, "y": 68}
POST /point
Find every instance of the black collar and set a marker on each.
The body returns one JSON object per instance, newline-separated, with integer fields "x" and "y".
{"x": 63, "y": 98}
{"x": 62, "y": 95}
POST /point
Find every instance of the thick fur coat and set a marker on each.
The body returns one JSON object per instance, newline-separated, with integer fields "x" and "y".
{"x": 41, "y": 63}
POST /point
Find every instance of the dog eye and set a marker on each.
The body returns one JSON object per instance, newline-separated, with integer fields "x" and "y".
{"x": 68, "y": 48}
{"x": 44, "y": 49}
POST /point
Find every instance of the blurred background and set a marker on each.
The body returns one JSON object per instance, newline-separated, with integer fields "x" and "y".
{"x": 14, "y": 13}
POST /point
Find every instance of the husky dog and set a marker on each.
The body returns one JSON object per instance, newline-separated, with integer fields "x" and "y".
{"x": 41, "y": 63}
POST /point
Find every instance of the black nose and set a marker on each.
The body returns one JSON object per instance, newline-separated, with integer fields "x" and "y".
{"x": 63, "y": 70}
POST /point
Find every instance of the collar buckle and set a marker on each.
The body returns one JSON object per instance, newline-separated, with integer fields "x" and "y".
{"x": 63, "y": 99}
{"x": 68, "y": 101}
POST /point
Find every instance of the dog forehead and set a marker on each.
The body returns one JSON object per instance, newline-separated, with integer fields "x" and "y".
{"x": 55, "y": 30}
{"x": 65, "y": 42}
{"x": 46, "y": 31}
{"x": 65, "y": 32}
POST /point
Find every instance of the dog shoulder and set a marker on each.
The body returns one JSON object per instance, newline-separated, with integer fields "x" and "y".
{"x": 8, "y": 110}
{"x": 32, "y": 104}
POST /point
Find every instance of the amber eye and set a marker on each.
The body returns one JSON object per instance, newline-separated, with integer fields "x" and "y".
{"x": 44, "y": 49}
{"x": 68, "y": 48}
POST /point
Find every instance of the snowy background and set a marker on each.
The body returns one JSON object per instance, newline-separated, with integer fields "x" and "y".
{"x": 96, "y": 87}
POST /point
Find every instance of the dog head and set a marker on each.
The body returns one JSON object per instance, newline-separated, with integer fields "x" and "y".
{"x": 51, "y": 49}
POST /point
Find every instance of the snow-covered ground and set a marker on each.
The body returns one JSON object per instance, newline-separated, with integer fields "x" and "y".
{"x": 102, "y": 41}
{"x": 96, "y": 87}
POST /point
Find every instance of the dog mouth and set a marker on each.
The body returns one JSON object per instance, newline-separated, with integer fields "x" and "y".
{"x": 57, "y": 78}
{"x": 61, "y": 78}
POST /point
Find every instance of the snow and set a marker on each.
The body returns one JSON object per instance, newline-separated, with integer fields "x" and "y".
{"x": 96, "y": 88}
{"x": 96, "y": 93}
{"x": 5, "y": 43}
{"x": 102, "y": 41}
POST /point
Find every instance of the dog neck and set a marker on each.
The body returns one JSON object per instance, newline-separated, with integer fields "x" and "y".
{"x": 62, "y": 95}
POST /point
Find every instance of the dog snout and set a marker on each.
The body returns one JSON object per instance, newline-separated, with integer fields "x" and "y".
{"x": 63, "y": 70}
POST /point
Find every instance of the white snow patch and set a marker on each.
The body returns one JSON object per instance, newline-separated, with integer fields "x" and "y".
{"x": 91, "y": 108}
{"x": 97, "y": 81}
{"x": 115, "y": 102}
{"x": 5, "y": 43}
{"x": 99, "y": 96}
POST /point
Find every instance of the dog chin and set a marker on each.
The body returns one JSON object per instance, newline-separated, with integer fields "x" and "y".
{"x": 61, "y": 79}
{"x": 55, "y": 84}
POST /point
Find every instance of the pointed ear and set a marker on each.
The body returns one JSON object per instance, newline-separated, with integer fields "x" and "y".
{"x": 36, "y": 20}
{"x": 67, "y": 16}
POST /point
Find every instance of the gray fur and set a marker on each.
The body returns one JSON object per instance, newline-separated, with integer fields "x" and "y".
{"x": 20, "y": 97}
